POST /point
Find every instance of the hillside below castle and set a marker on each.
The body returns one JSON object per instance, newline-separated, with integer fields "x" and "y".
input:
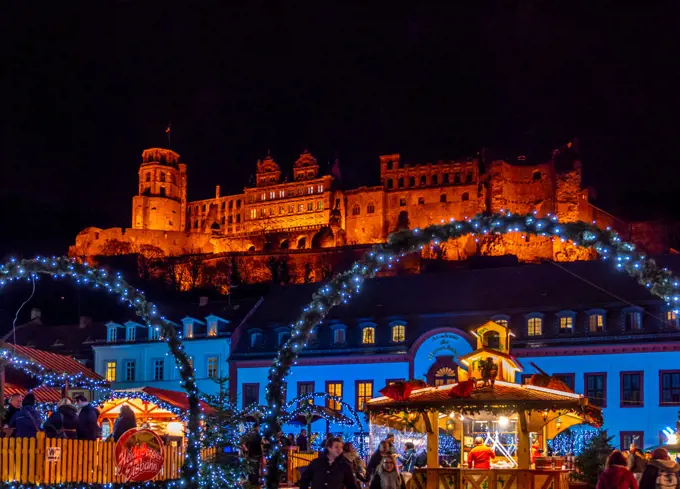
{"x": 309, "y": 218}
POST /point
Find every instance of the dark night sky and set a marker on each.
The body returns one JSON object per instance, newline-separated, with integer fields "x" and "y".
{"x": 87, "y": 85}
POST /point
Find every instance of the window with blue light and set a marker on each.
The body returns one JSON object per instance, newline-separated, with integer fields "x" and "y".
{"x": 255, "y": 339}
{"x": 158, "y": 369}
{"x": 131, "y": 333}
{"x": 632, "y": 319}
{"x": 130, "y": 370}
{"x": 112, "y": 334}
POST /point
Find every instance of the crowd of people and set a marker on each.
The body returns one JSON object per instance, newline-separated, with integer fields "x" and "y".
{"x": 638, "y": 470}
{"x": 73, "y": 419}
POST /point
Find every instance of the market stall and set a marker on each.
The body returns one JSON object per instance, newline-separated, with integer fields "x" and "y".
{"x": 514, "y": 420}
{"x": 160, "y": 410}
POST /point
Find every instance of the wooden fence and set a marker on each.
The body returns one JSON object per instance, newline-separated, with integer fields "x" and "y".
{"x": 26, "y": 460}
{"x": 296, "y": 460}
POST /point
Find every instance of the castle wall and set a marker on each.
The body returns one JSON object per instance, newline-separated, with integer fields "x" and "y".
{"x": 156, "y": 213}
{"x": 521, "y": 189}
{"x": 362, "y": 225}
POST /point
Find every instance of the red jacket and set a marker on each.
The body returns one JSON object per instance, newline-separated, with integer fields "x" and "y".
{"x": 616, "y": 477}
{"x": 480, "y": 457}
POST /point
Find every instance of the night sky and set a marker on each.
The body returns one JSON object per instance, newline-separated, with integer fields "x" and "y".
{"x": 86, "y": 86}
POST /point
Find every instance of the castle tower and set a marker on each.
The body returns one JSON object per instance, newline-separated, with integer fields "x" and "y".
{"x": 306, "y": 167}
{"x": 162, "y": 196}
{"x": 268, "y": 172}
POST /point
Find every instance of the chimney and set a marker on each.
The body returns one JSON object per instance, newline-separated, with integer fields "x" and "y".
{"x": 202, "y": 301}
{"x": 217, "y": 192}
{"x": 85, "y": 321}
{"x": 35, "y": 313}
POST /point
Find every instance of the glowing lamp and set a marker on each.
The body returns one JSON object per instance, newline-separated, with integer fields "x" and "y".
{"x": 452, "y": 415}
{"x": 412, "y": 416}
{"x": 671, "y": 436}
{"x": 175, "y": 428}
{"x": 503, "y": 421}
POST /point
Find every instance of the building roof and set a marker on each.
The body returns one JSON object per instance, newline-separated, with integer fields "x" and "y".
{"x": 42, "y": 394}
{"x": 60, "y": 364}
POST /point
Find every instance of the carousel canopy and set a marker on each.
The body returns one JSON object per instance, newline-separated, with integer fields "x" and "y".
{"x": 145, "y": 400}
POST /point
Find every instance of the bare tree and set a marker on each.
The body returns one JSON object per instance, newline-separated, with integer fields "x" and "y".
{"x": 116, "y": 247}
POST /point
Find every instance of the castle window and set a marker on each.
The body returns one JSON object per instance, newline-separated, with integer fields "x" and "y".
{"x": 162, "y": 191}
{"x": 368, "y": 335}
{"x": 319, "y": 188}
{"x": 423, "y": 180}
{"x": 465, "y": 196}
{"x": 501, "y": 319}
{"x": 421, "y": 200}
{"x": 389, "y": 165}
{"x": 310, "y": 206}
{"x": 468, "y": 177}
{"x": 263, "y": 212}
{"x": 272, "y": 195}
{"x": 535, "y": 324}
{"x": 402, "y": 202}
{"x": 442, "y": 198}
{"x": 302, "y": 243}
{"x": 253, "y": 213}
{"x": 310, "y": 189}
{"x": 370, "y": 209}
{"x": 595, "y": 321}
{"x": 231, "y": 220}
{"x": 400, "y": 183}
{"x": 446, "y": 178}
{"x": 148, "y": 177}
{"x": 301, "y": 207}
{"x": 291, "y": 208}
{"x": 356, "y": 210}
{"x": 672, "y": 318}
{"x": 281, "y": 210}
{"x": 224, "y": 219}
{"x": 319, "y": 205}
{"x": 435, "y": 179}
{"x": 238, "y": 217}
{"x": 456, "y": 178}
{"x": 231, "y": 204}
{"x": 203, "y": 207}
{"x": 196, "y": 224}
{"x": 412, "y": 182}
{"x": 282, "y": 194}
{"x": 263, "y": 196}
{"x": 390, "y": 184}
{"x": 536, "y": 176}
{"x": 238, "y": 203}
{"x": 223, "y": 205}
{"x": 162, "y": 177}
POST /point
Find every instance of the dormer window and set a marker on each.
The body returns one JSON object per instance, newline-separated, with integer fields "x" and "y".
{"x": 212, "y": 327}
{"x": 596, "y": 318}
{"x": 632, "y": 319}
{"x": 566, "y": 322}
{"x": 130, "y": 333}
{"x": 255, "y": 339}
{"x": 671, "y": 317}
{"x": 534, "y": 324}
{"x": 339, "y": 334}
{"x": 492, "y": 339}
{"x": 398, "y": 333}
{"x": 283, "y": 337}
{"x": 368, "y": 335}
{"x": 501, "y": 319}
{"x": 112, "y": 334}
{"x": 154, "y": 333}
{"x": 189, "y": 329}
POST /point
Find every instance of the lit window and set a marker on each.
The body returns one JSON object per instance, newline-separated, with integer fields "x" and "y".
{"x": 130, "y": 370}
{"x": 339, "y": 336}
{"x": 158, "y": 369}
{"x": 535, "y": 326}
{"x": 272, "y": 195}
{"x": 319, "y": 205}
{"x": 212, "y": 328}
{"x": 364, "y": 394}
{"x": 310, "y": 189}
{"x": 301, "y": 207}
{"x": 263, "y": 212}
{"x": 334, "y": 389}
{"x": 263, "y": 196}
{"x": 596, "y": 323}
{"x": 282, "y": 194}
{"x": 445, "y": 376}
{"x": 131, "y": 333}
{"x": 110, "y": 371}
{"x": 212, "y": 367}
{"x": 398, "y": 333}
{"x": 291, "y": 208}
{"x": 310, "y": 206}
{"x": 368, "y": 335}
{"x": 501, "y": 319}
{"x": 112, "y": 334}
{"x": 356, "y": 210}
{"x": 319, "y": 188}
{"x": 566, "y": 324}
{"x": 253, "y": 213}
{"x": 370, "y": 209}
{"x": 672, "y": 318}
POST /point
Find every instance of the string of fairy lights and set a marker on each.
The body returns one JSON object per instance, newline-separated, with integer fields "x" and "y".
{"x": 606, "y": 242}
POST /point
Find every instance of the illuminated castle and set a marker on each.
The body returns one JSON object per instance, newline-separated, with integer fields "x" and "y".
{"x": 312, "y": 212}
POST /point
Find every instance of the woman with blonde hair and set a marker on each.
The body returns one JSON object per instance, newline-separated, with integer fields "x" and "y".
{"x": 387, "y": 476}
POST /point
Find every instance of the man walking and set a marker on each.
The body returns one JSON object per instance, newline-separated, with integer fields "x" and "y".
{"x": 330, "y": 471}
{"x": 636, "y": 461}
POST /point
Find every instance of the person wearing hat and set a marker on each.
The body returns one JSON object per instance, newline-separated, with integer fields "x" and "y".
{"x": 661, "y": 472}
{"x": 26, "y": 422}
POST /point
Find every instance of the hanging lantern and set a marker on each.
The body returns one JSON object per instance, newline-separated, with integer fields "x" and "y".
{"x": 412, "y": 416}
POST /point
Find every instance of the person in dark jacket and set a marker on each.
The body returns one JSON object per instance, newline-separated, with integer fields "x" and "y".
{"x": 376, "y": 458}
{"x": 408, "y": 461}
{"x": 387, "y": 476}
{"x": 14, "y": 405}
{"x": 636, "y": 461}
{"x": 63, "y": 423}
{"x": 661, "y": 472}
{"x": 26, "y": 422}
{"x": 126, "y": 421}
{"x": 330, "y": 470}
{"x": 88, "y": 428}
{"x": 302, "y": 440}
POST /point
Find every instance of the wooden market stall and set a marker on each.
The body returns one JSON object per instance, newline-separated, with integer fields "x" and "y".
{"x": 163, "y": 411}
{"x": 485, "y": 402}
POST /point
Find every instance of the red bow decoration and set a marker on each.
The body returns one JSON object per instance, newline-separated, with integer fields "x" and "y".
{"x": 462, "y": 389}
{"x": 401, "y": 391}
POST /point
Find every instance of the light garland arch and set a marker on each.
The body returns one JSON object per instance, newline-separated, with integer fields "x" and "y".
{"x": 606, "y": 242}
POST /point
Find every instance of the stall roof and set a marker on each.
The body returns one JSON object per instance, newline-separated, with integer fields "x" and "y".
{"x": 175, "y": 398}
{"x": 42, "y": 394}
{"x": 55, "y": 363}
